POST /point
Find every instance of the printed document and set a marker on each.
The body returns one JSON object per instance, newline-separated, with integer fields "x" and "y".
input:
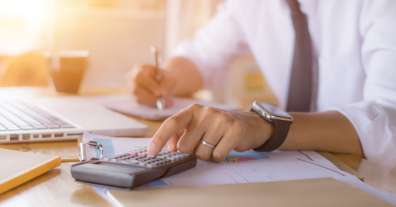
{"x": 239, "y": 167}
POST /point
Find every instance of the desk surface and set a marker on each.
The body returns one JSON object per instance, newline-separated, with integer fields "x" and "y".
{"x": 58, "y": 188}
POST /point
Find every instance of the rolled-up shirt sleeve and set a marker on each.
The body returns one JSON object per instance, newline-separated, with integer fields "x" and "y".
{"x": 375, "y": 117}
{"x": 214, "y": 45}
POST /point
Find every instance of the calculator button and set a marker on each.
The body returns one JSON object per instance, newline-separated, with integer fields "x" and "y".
{"x": 152, "y": 165}
{"x": 139, "y": 158}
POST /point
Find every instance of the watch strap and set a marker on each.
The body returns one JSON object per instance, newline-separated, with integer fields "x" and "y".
{"x": 278, "y": 137}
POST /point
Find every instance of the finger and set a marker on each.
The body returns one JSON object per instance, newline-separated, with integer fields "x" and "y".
{"x": 213, "y": 137}
{"x": 191, "y": 138}
{"x": 227, "y": 143}
{"x": 146, "y": 78}
{"x": 189, "y": 142}
{"x": 169, "y": 128}
{"x": 204, "y": 152}
{"x": 144, "y": 97}
{"x": 172, "y": 142}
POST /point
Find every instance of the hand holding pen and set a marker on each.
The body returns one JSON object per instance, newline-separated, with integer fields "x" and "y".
{"x": 151, "y": 85}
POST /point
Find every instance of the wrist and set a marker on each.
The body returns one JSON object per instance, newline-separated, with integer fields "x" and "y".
{"x": 263, "y": 130}
{"x": 278, "y": 119}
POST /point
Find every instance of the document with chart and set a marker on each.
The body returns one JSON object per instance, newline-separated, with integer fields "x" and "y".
{"x": 238, "y": 167}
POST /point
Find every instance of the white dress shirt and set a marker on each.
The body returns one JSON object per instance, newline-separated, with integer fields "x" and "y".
{"x": 355, "y": 50}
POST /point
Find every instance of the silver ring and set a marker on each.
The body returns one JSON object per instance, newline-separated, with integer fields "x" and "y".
{"x": 204, "y": 142}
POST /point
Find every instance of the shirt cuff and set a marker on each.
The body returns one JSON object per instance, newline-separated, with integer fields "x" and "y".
{"x": 375, "y": 125}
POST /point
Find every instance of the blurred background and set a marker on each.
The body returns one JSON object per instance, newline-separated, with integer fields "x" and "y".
{"x": 117, "y": 34}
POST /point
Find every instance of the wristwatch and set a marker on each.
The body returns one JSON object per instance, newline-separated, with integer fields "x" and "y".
{"x": 280, "y": 120}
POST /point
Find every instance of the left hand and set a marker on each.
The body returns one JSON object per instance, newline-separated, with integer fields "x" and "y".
{"x": 147, "y": 89}
{"x": 223, "y": 130}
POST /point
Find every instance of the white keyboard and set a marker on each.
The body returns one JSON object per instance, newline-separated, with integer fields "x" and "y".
{"x": 18, "y": 115}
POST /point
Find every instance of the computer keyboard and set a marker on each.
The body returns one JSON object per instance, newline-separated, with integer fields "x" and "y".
{"x": 20, "y": 115}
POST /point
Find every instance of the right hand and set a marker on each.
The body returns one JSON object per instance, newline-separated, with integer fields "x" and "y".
{"x": 223, "y": 130}
{"x": 147, "y": 88}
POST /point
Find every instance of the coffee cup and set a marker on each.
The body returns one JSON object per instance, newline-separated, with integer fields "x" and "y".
{"x": 68, "y": 69}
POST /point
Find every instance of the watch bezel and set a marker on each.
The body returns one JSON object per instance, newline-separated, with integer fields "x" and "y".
{"x": 265, "y": 112}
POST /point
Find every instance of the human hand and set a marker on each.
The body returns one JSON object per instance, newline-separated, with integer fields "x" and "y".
{"x": 210, "y": 133}
{"x": 147, "y": 87}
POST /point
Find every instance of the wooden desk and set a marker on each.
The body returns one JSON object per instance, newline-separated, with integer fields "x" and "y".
{"x": 58, "y": 188}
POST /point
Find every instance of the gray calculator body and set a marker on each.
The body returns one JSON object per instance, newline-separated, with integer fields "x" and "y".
{"x": 132, "y": 169}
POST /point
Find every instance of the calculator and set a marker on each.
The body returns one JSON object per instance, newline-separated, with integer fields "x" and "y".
{"x": 132, "y": 169}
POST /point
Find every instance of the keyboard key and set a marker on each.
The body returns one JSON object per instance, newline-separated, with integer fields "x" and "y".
{"x": 139, "y": 158}
{"x": 66, "y": 126}
{"x": 7, "y": 124}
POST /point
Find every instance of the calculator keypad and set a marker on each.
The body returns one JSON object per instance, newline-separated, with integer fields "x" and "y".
{"x": 139, "y": 157}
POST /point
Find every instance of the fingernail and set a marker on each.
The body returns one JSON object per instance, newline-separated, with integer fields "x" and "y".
{"x": 151, "y": 150}
{"x": 171, "y": 148}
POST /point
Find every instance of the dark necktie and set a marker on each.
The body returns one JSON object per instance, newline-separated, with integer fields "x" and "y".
{"x": 301, "y": 86}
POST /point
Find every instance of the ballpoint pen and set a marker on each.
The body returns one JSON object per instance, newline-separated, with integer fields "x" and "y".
{"x": 160, "y": 102}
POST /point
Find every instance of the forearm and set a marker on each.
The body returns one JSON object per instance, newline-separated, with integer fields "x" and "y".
{"x": 186, "y": 74}
{"x": 323, "y": 131}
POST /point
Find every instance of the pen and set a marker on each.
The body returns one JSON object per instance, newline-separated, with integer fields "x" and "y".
{"x": 160, "y": 102}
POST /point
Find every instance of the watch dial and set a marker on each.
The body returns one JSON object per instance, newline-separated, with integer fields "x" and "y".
{"x": 274, "y": 110}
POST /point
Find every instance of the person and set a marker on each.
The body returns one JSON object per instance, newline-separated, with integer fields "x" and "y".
{"x": 352, "y": 87}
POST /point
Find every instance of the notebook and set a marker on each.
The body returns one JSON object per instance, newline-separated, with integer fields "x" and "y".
{"x": 20, "y": 167}
{"x": 126, "y": 104}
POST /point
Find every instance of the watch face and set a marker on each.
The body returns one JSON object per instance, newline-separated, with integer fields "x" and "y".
{"x": 273, "y": 112}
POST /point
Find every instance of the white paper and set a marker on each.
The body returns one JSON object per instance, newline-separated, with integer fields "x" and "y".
{"x": 245, "y": 167}
{"x": 252, "y": 167}
{"x": 127, "y": 105}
